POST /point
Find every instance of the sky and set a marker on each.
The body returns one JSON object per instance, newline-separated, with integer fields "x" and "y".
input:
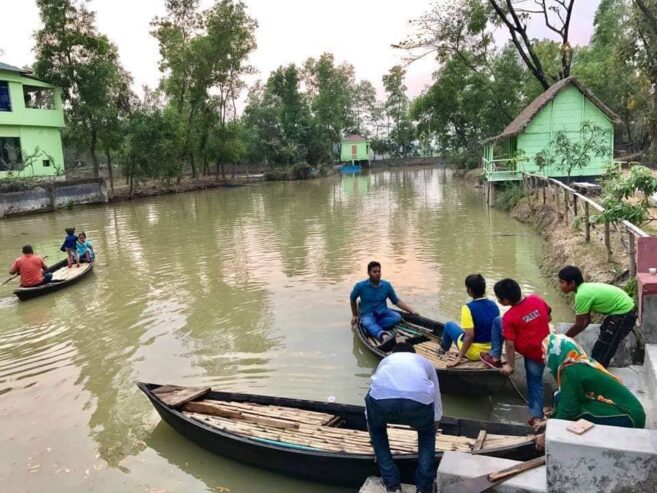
{"x": 357, "y": 31}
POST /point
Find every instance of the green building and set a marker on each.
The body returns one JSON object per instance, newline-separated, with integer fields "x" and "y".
{"x": 355, "y": 149}
{"x": 567, "y": 106}
{"x": 31, "y": 117}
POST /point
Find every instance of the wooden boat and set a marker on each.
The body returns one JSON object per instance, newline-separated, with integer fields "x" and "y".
{"x": 316, "y": 441}
{"x": 469, "y": 378}
{"x": 62, "y": 277}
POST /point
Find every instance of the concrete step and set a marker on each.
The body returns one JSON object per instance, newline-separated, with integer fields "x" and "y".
{"x": 457, "y": 466}
{"x": 373, "y": 485}
{"x": 650, "y": 363}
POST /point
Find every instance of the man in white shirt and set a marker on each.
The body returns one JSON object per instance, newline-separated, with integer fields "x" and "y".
{"x": 404, "y": 390}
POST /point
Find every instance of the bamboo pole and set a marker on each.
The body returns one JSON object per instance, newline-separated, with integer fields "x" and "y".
{"x": 587, "y": 223}
{"x": 575, "y": 205}
{"x": 544, "y": 187}
{"x": 565, "y": 205}
{"x": 631, "y": 250}
{"x": 608, "y": 241}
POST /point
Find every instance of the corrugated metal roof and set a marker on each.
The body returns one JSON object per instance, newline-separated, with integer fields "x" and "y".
{"x": 527, "y": 115}
{"x": 11, "y": 68}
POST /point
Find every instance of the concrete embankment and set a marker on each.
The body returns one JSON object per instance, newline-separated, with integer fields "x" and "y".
{"x": 44, "y": 197}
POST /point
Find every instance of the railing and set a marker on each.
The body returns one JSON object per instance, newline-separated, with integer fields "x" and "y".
{"x": 571, "y": 201}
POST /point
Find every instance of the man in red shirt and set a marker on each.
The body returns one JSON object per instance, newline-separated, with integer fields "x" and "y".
{"x": 31, "y": 269}
{"x": 524, "y": 326}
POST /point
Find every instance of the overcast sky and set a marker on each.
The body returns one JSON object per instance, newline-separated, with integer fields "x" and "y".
{"x": 290, "y": 31}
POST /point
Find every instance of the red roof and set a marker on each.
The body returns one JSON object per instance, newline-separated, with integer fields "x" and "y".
{"x": 354, "y": 138}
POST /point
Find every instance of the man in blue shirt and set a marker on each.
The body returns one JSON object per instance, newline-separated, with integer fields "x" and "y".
{"x": 375, "y": 316}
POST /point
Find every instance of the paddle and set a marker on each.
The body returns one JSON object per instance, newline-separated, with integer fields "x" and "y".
{"x": 17, "y": 274}
{"x": 487, "y": 481}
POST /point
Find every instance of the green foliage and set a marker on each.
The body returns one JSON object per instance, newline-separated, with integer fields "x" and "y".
{"x": 507, "y": 198}
{"x": 565, "y": 153}
{"x": 619, "y": 188}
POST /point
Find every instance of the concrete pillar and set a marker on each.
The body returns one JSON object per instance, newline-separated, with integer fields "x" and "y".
{"x": 604, "y": 459}
{"x": 646, "y": 258}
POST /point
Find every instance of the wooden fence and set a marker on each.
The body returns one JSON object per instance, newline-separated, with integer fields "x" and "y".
{"x": 570, "y": 203}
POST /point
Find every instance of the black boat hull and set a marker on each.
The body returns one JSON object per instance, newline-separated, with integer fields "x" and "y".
{"x": 318, "y": 466}
{"x": 29, "y": 293}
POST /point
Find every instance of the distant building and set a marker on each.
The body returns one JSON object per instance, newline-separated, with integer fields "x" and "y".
{"x": 565, "y": 106}
{"x": 355, "y": 149}
{"x": 31, "y": 116}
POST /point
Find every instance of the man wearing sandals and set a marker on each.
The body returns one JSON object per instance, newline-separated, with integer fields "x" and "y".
{"x": 374, "y": 293}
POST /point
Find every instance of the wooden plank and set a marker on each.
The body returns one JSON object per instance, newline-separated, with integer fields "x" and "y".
{"x": 214, "y": 409}
{"x": 479, "y": 443}
{"x": 180, "y": 396}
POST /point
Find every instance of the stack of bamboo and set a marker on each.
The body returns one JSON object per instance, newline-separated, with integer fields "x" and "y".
{"x": 310, "y": 429}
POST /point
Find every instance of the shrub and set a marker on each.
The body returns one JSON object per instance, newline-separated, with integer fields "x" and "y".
{"x": 509, "y": 197}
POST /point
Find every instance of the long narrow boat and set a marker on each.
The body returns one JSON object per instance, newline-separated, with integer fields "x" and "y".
{"x": 469, "y": 378}
{"x": 62, "y": 277}
{"x": 316, "y": 441}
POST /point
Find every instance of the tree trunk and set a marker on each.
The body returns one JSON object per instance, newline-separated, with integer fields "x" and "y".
{"x": 206, "y": 167}
{"x": 223, "y": 170}
{"x": 234, "y": 166}
{"x": 132, "y": 181}
{"x": 192, "y": 164}
{"x": 92, "y": 151}
{"x": 216, "y": 170}
{"x": 110, "y": 173}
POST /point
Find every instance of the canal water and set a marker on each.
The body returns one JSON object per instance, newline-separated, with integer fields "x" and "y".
{"x": 242, "y": 289}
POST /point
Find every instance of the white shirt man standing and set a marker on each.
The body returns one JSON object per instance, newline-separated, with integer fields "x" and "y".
{"x": 405, "y": 390}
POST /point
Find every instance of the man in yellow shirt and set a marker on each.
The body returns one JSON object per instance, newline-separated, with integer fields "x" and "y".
{"x": 473, "y": 336}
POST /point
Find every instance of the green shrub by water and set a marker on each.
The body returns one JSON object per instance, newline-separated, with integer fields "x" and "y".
{"x": 508, "y": 197}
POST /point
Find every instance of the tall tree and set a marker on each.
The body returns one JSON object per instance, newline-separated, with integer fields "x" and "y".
{"x": 397, "y": 106}
{"x": 73, "y": 55}
{"x": 364, "y": 101}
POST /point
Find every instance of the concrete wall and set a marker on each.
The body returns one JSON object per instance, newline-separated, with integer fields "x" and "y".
{"x": 604, "y": 459}
{"x": 47, "y": 197}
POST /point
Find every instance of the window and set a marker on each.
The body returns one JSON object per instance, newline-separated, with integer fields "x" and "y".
{"x": 46, "y": 163}
{"x": 5, "y": 100}
{"x": 354, "y": 150}
{"x": 40, "y": 98}
{"x": 10, "y": 154}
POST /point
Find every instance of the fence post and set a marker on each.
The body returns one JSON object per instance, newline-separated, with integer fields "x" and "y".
{"x": 575, "y": 204}
{"x": 607, "y": 241}
{"x": 557, "y": 201}
{"x": 631, "y": 250}
{"x": 545, "y": 185}
{"x": 587, "y": 223}
{"x": 565, "y": 204}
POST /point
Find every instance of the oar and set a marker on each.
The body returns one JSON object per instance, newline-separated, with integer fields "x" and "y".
{"x": 16, "y": 275}
{"x": 487, "y": 481}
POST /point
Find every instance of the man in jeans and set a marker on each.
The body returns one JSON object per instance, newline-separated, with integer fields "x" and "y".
{"x": 524, "y": 327}
{"x": 404, "y": 390}
{"x": 375, "y": 316}
{"x": 605, "y": 299}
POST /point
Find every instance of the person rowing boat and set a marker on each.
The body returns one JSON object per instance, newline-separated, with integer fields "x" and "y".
{"x": 31, "y": 268}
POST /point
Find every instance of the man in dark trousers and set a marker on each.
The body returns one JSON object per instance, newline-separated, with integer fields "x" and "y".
{"x": 404, "y": 390}
{"x": 596, "y": 297}
{"x": 375, "y": 316}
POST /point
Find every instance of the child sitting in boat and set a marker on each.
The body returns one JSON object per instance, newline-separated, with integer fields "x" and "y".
{"x": 69, "y": 246}
{"x": 84, "y": 248}
{"x": 473, "y": 336}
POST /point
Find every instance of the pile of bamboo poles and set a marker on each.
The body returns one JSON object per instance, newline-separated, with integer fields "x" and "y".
{"x": 429, "y": 350}
{"x": 308, "y": 429}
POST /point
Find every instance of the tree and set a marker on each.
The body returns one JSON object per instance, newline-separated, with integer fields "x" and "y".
{"x": 401, "y": 134}
{"x": 151, "y": 147}
{"x": 566, "y": 154}
{"x": 330, "y": 90}
{"x": 364, "y": 101}
{"x": 73, "y": 55}
{"x": 619, "y": 192}
{"x": 203, "y": 53}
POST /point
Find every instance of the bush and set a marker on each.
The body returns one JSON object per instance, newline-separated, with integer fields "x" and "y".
{"x": 509, "y": 197}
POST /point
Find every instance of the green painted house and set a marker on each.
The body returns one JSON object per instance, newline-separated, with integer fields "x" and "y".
{"x": 355, "y": 149}
{"x": 31, "y": 117}
{"x": 567, "y": 106}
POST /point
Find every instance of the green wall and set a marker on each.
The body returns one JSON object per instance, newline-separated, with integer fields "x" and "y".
{"x": 567, "y": 112}
{"x": 362, "y": 151}
{"x": 34, "y": 127}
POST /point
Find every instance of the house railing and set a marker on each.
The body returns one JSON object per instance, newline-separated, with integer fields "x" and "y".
{"x": 502, "y": 167}
{"x": 578, "y": 207}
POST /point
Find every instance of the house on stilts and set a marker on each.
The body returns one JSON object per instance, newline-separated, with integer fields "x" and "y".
{"x": 567, "y": 108}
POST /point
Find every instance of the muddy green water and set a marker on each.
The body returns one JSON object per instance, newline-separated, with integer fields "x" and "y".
{"x": 242, "y": 289}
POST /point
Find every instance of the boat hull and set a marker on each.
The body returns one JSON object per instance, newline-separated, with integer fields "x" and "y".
{"x": 29, "y": 293}
{"x": 319, "y": 466}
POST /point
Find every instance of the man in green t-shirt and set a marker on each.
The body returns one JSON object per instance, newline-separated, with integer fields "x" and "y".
{"x": 594, "y": 297}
